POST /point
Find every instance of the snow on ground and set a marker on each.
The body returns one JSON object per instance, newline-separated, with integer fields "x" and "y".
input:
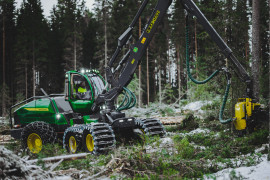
{"x": 198, "y": 131}
{"x": 164, "y": 143}
{"x": 191, "y": 133}
{"x": 156, "y": 109}
{"x": 260, "y": 171}
{"x": 264, "y": 146}
{"x": 196, "y": 106}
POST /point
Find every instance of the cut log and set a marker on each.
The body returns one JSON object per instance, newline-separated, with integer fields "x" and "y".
{"x": 59, "y": 158}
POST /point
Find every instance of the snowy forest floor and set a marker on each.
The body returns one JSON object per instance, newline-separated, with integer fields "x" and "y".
{"x": 199, "y": 147}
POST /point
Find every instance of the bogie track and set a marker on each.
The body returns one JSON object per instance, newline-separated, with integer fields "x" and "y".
{"x": 92, "y": 138}
{"x": 151, "y": 127}
{"x": 98, "y": 138}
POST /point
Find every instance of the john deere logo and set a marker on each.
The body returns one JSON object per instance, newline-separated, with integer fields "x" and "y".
{"x": 153, "y": 22}
{"x": 135, "y": 49}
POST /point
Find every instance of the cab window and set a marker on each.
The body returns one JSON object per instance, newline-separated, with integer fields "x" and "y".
{"x": 97, "y": 82}
{"x": 66, "y": 88}
{"x": 80, "y": 89}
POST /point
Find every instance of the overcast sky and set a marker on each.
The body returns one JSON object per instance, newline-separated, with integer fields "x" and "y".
{"x": 48, "y": 4}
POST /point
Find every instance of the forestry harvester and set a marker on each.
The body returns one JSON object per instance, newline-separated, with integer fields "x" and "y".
{"x": 86, "y": 116}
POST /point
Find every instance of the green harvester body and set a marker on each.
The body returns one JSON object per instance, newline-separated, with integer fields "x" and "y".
{"x": 59, "y": 110}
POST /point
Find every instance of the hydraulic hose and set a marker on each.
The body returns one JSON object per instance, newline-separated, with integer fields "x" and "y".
{"x": 125, "y": 97}
{"x": 124, "y": 105}
{"x": 130, "y": 98}
{"x": 228, "y": 76}
{"x": 187, "y": 60}
{"x": 133, "y": 98}
{"x": 221, "y": 120}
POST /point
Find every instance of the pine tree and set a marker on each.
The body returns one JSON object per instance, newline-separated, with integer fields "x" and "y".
{"x": 103, "y": 14}
{"x": 264, "y": 50}
{"x": 178, "y": 34}
{"x": 7, "y": 39}
{"x": 69, "y": 15}
{"x": 269, "y": 77}
{"x": 89, "y": 41}
{"x": 31, "y": 46}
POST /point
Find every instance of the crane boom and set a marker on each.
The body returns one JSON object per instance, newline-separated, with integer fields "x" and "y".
{"x": 133, "y": 57}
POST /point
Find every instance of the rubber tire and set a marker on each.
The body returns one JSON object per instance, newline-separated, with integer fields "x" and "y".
{"x": 77, "y": 139}
{"x": 85, "y": 133}
{"x": 75, "y": 131}
{"x": 44, "y": 130}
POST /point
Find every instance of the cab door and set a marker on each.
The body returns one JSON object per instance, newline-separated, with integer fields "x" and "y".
{"x": 79, "y": 92}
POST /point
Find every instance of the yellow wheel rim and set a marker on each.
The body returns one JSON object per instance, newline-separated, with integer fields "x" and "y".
{"x": 72, "y": 144}
{"x": 89, "y": 142}
{"x": 34, "y": 143}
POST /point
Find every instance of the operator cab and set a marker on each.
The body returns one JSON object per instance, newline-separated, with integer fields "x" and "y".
{"x": 81, "y": 89}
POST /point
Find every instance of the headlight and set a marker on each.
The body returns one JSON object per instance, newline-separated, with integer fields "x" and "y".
{"x": 58, "y": 116}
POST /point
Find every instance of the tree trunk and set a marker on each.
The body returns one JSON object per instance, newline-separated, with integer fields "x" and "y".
{"x": 26, "y": 84}
{"x": 147, "y": 75}
{"x": 75, "y": 50}
{"x": 105, "y": 34}
{"x": 4, "y": 73}
{"x": 182, "y": 74}
{"x": 178, "y": 71}
{"x": 269, "y": 83}
{"x": 169, "y": 62}
{"x": 34, "y": 70}
{"x": 255, "y": 69}
{"x": 159, "y": 82}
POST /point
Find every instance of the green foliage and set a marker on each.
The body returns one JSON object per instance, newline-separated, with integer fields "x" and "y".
{"x": 167, "y": 94}
{"x": 185, "y": 150}
{"x": 167, "y": 111}
{"x": 134, "y": 86}
{"x": 14, "y": 146}
{"x": 172, "y": 128}
{"x": 203, "y": 92}
{"x": 49, "y": 150}
{"x": 189, "y": 122}
{"x": 235, "y": 176}
{"x": 190, "y": 156}
{"x": 227, "y": 145}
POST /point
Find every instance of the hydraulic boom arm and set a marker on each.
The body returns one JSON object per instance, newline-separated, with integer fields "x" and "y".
{"x": 132, "y": 59}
